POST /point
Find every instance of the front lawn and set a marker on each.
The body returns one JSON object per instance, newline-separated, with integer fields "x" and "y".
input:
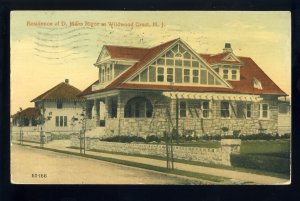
{"x": 265, "y": 147}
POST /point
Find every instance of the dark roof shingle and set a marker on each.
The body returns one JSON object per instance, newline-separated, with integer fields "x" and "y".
{"x": 62, "y": 91}
{"x": 30, "y": 112}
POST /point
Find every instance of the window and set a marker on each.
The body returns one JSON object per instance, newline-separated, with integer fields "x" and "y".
{"x": 152, "y": 74}
{"x": 233, "y": 75}
{"x": 160, "y": 74}
{"x": 113, "y": 107}
{"x": 248, "y": 110}
{"x": 195, "y": 76}
{"x": 211, "y": 79}
{"x": 225, "y": 109}
{"x": 205, "y": 109}
{"x": 203, "y": 77}
{"x": 195, "y": 64}
{"x": 240, "y": 110}
{"x": 57, "y": 121}
{"x": 170, "y": 74}
{"x": 186, "y": 78}
{"x": 178, "y": 62}
{"x": 182, "y": 111}
{"x": 65, "y": 121}
{"x": 144, "y": 75}
{"x": 61, "y": 121}
{"x": 178, "y": 75}
{"x": 138, "y": 107}
{"x": 107, "y": 73}
{"x": 59, "y": 104}
{"x": 225, "y": 74}
{"x": 264, "y": 110}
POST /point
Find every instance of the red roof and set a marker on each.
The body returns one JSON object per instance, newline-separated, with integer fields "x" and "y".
{"x": 120, "y": 52}
{"x": 30, "y": 112}
{"x": 218, "y": 58}
{"x": 248, "y": 72}
{"x": 62, "y": 91}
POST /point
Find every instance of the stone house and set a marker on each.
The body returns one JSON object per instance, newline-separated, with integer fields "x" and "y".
{"x": 142, "y": 91}
{"x": 57, "y": 110}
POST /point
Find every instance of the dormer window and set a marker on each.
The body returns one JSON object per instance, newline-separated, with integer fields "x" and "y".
{"x": 225, "y": 74}
{"x": 234, "y": 74}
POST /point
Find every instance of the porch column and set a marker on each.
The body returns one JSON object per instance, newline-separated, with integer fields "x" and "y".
{"x": 96, "y": 111}
{"x": 120, "y": 114}
{"x": 106, "y": 108}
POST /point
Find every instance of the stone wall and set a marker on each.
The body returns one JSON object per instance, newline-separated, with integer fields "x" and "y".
{"x": 207, "y": 155}
{"x": 32, "y": 136}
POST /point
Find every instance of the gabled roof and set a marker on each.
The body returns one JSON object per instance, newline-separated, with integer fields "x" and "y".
{"x": 121, "y": 52}
{"x": 62, "y": 91}
{"x": 218, "y": 58}
{"x": 245, "y": 85}
{"x": 151, "y": 53}
{"x": 248, "y": 72}
{"x": 30, "y": 112}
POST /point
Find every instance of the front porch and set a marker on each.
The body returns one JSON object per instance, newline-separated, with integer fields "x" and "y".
{"x": 140, "y": 113}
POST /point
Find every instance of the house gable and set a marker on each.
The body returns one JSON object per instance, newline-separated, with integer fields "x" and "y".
{"x": 231, "y": 57}
{"x": 103, "y": 56}
{"x": 178, "y": 65}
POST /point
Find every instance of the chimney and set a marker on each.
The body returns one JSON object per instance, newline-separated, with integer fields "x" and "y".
{"x": 67, "y": 81}
{"x": 227, "y": 48}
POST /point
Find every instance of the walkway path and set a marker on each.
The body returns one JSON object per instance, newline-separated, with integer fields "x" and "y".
{"x": 241, "y": 177}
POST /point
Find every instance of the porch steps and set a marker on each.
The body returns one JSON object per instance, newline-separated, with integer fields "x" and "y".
{"x": 97, "y": 132}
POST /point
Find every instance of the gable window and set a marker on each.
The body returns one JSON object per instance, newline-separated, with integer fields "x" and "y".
{"x": 170, "y": 74}
{"x": 205, "y": 109}
{"x": 233, "y": 74}
{"x": 203, "y": 77}
{"x": 178, "y": 75}
{"x": 186, "y": 78}
{"x": 264, "y": 110}
{"x": 152, "y": 74}
{"x": 182, "y": 111}
{"x": 160, "y": 74}
{"x": 59, "y": 104}
{"x": 138, "y": 107}
{"x": 248, "y": 110}
{"x": 225, "y": 74}
{"x": 144, "y": 75}
{"x": 195, "y": 76}
{"x": 225, "y": 109}
{"x": 61, "y": 121}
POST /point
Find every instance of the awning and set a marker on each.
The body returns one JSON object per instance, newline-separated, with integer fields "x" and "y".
{"x": 213, "y": 96}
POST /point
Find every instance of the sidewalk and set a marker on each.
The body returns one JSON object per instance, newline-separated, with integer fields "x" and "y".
{"x": 243, "y": 177}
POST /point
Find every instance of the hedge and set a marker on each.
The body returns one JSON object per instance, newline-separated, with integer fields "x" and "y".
{"x": 124, "y": 138}
{"x": 261, "y": 162}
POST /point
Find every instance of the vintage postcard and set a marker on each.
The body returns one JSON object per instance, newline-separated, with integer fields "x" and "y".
{"x": 150, "y": 97}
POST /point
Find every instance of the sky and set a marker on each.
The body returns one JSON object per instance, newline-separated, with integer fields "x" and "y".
{"x": 48, "y": 47}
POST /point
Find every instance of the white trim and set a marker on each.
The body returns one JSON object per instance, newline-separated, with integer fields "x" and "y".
{"x": 212, "y": 96}
{"x": 261, "y": 111}
{"x": 231, "y": 55}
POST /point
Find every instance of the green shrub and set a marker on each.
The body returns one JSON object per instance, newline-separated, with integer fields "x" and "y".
{"x": 261, "y": 162}
{"x": 124, "y": 139}
{"x": 152, "y": 138}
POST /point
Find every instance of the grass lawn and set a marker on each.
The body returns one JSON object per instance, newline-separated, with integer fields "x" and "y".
{"x": 272, "y": 147}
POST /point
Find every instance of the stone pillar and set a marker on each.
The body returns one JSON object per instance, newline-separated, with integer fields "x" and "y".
{"x": 229, "y": 146}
